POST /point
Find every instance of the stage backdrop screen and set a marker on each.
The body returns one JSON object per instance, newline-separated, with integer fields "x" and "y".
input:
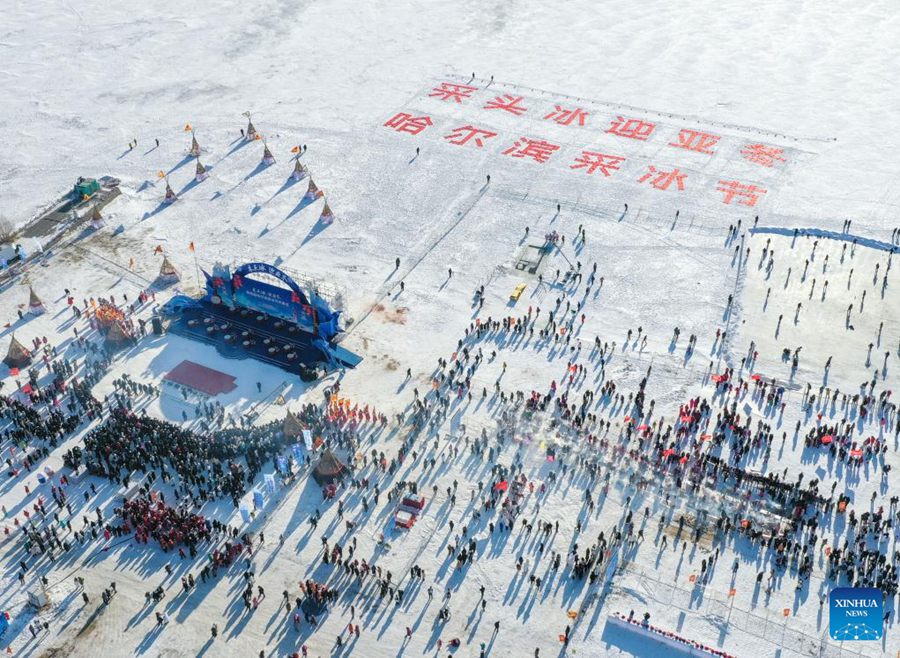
{"x": 273, "y": 300}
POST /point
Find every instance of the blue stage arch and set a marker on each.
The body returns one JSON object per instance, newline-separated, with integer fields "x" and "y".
{"x": 271, "y": 270}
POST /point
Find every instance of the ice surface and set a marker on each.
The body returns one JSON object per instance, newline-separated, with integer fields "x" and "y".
{"x": 83, "y": 79}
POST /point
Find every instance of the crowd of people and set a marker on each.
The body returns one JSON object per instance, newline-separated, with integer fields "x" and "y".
{"x": 580, "y": 431}
{"x": 221, "y": 464}
{"x": 150, "y": 518}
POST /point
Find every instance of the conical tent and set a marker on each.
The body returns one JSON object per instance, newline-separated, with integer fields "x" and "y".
{"x": 251, "y": 130}
{"x": 313, "y": 192}
{"x": 200, "y": 174}
{"x": 35, "y": 305}
{"x": 167, "y": 271}
{"x": 329, "y": 468}
{"x": 170, "y": 193}
{"x": 292, "y": 427}
{"x": 299, "y": 170}
{"x": 117, "y": 335}
{"x": 96, "y": 217}
{"x": 327, "y": 217}
{"x": 195, "y": 146}
{"x": 267, "y": 158}
{"x": 17, "y": 356}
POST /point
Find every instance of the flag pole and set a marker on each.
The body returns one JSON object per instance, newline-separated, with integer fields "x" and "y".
{"x": 193, "y": 250}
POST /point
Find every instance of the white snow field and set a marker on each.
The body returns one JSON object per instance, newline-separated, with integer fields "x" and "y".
{"x": 654, "y": 128}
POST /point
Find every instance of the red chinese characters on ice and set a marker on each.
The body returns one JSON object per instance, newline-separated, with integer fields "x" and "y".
{"x": 747, "y": 195}
{"x": 566, "y": 117}
{"x": 536, "y": 149}
{"x": 451, "y": 91}
{"x": 593, "y": 161}
{"x": 403, "y": 122}
{"x": 631, "y": 128}
{"x": 465, "y": 134}
{"x": 695, "y": 140}
{"x": 507, "y": 103}
{"x": 767, "y": 156}
{"x": 662, "y": 180}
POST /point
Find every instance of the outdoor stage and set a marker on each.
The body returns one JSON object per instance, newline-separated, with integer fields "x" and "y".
{"x": 244, "y": 317}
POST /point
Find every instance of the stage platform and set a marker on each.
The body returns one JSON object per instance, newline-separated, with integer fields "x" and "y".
{"x": 242, "y": 333}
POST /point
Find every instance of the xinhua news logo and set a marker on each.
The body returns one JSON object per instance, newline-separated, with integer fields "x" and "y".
{"x": 855, "y": 613}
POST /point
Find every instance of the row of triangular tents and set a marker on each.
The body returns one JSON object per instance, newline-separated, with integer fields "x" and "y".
{"x": 201, "y": 173}
{"x": 19, "y": 356}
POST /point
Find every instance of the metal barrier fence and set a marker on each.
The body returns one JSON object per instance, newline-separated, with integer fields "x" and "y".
{"x": 719, "y": 609}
